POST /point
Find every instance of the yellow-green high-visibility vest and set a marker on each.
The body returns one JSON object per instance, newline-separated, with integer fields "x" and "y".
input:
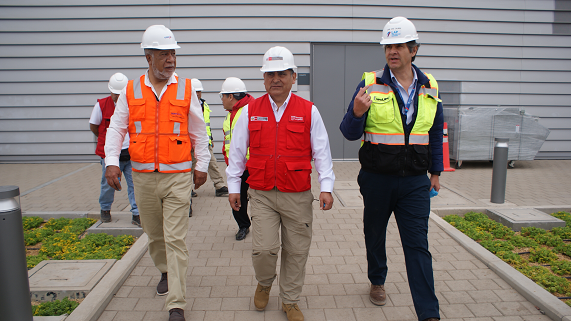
{"x": 206, "y": 112}
{"x": 384, "y": 123}
{"x": 229, "y": 129}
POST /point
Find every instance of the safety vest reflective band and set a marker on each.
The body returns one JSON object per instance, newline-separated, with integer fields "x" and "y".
{"x": 384, "y": 123}
{"x": 280, "y": 153}
{"x": 158, "y": 130}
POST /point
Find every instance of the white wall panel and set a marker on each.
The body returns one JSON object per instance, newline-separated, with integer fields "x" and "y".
{"x": 56, "y": 56}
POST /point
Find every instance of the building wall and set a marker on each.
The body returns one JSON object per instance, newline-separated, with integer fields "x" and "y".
{"x": 57, "y": 56}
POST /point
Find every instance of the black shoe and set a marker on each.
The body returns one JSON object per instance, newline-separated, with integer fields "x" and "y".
{"x": 190, "y": 211}
{"x": 176, "y": 314}
{"x": 163, "y": 286}
{"x": 136, "y": 220}
{"x": 105, "y": 216}
{"x": 222, "y": 191}
{"x": 193, "y": 193}
{"x": 242, "y": 233}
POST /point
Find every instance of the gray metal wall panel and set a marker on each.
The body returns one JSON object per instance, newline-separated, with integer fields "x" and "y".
{"x": 57, "y": 55}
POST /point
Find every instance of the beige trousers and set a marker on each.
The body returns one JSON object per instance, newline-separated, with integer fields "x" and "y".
{"x": 292, "y": 214}
{"x": 213, "y": 171}
{"x": 164, "y": 202}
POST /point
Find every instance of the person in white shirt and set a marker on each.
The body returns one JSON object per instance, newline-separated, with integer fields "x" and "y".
{"x": 283, "y": 132}
{"x": 163, "y": 117}
{"x": 98, "y": 123}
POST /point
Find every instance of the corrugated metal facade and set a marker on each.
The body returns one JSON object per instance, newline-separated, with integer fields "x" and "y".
{"x": 57, "y": 56}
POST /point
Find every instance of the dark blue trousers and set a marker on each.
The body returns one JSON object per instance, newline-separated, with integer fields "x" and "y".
{"x": 408, "y": 197}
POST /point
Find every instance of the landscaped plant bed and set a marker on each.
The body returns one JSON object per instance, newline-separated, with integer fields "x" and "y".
{"x": 65, "y": 239}
{"x": 543, "y": 256}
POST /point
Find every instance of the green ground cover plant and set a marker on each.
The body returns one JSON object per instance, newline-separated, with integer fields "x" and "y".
{"x": 543, "y": 256}
{"x": 64, "y": 239}
{"x": 54, "y": 308}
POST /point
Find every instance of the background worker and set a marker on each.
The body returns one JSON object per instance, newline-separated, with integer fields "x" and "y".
{"x": 234, "y": 96}
{"x": 399, "y": 113}
{"x": 283, "y": 132}
{"x": 162, "y": 115}
{"x": 213, "y": 171}
{"x": 98, "y": 123}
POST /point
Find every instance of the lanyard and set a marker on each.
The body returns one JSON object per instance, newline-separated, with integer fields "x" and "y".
{"x": 409, "y": 101}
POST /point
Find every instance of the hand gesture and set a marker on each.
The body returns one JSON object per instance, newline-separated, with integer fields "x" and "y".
{"x": 362, "y": 102}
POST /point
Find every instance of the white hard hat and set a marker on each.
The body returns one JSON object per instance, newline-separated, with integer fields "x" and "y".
{"x": 277, "y": 59}
{"x": 196, "y": 84}
{"x": 398, "y": 30}
{"x": 117, "y": 82}
{"x": 158, "y": 37}
{"x": 233, "y": 85}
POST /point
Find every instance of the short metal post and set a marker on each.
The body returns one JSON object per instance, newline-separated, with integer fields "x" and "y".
{"x": 15, "y": 303}
{"x": 500, "y": 171}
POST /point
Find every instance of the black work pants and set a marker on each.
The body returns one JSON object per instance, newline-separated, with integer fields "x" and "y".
{"x": 408, "y": 197}
{"x": 241, "y": 216}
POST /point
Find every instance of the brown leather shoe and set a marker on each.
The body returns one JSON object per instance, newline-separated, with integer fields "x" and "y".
{"x": 262, "y": 296}
{"x": 378, "y": 295}
{"x": 176, "y": 314}
{"x": 293, "y": 312}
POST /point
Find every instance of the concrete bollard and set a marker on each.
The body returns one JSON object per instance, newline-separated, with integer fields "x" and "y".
{"x": 15, "y": 301}
{"x": 500, "y": 171}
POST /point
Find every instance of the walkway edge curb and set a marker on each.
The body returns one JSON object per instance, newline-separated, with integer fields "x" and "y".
{"x": 545, "y": 301}
{"x": 97, "y": 300}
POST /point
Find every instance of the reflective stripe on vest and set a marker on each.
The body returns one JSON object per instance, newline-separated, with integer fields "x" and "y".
{"x": 162, "y": 167}
{"x": 138, "y": 127}
{"x": 384, "y": 122}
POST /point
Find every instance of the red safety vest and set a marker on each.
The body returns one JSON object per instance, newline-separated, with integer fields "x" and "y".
{"x": 158, "y": 130}
{"x": 107, "y": 107}
{"x": 280, "y": 153}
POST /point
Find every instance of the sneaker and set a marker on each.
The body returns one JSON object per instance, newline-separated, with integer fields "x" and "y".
{"x": 377, "y": 295}
{"x": 163, "y": 286}
{"x": 262, "y": 296}
{"x": 136, "y": 220}
{"x": 176, "y": 314}
{"x": 193, "y": 193}
{"x": 105, "y": 216}
{"x": 222, "y": 191}
{"x": 242, "y": 232}
{"x": 293, "y": 312}
{"x": 190, "y": 211}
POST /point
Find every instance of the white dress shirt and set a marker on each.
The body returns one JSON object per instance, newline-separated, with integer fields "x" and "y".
{"x": 320, "y": 150}
{"x": 96, "y": 119}
{"x": 120, "y": 122}
{"x": 405, "y": 94}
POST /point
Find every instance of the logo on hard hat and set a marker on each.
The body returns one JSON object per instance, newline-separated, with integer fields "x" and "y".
{"x": 168, "y": 37}
{"x": 274, "y": 58}
{"x": 394, "y": 33}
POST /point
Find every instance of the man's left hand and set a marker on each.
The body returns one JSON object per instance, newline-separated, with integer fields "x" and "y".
{"x": 199, "y": 179}
{"x": 325, "y": 201}
{"x": 435, "y": 182}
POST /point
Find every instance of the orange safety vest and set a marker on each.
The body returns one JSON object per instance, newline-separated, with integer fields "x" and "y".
{"x": 280, "y": 153}
{"x": 158, "y": 130}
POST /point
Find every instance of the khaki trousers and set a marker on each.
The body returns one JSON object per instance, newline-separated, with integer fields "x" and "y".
{"x": 164, "y": 202}
{"x": 213, "y": 171}
{"x": 292, "y": 213}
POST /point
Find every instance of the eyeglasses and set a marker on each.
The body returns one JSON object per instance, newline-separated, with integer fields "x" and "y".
{"x": 221, "y": 95}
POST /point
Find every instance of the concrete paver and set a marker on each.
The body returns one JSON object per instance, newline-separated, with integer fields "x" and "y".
{"x": 220, "y": 276}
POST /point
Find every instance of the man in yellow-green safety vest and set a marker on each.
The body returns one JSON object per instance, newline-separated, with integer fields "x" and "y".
{"x": 398, "y": 114}
{"x": 213, "y": 171}
{"x": 234, "y": 96}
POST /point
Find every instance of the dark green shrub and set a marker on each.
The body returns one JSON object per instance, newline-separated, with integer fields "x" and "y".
{"x": 542, "y": 255}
